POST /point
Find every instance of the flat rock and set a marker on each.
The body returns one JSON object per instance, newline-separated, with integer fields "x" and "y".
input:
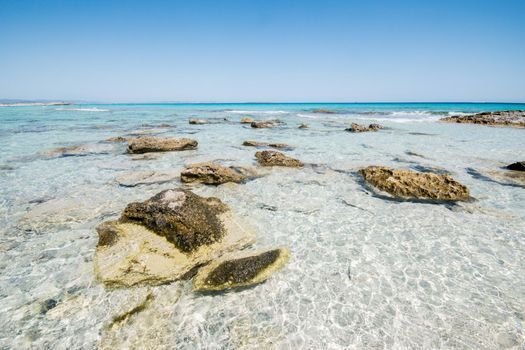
{"x": 518, "y": 166}
{"x": 247, "y": 120}
{"x": 303, "y": 126}
{"x": 251, "y": 143}
{"x": 211, "y": 174}
{"x": 198, "y": 121}
{"x": 265, "y": 124}
{"x": 274, "y": 158}
{"x": 240, "y": 270}
{"x": 362, "y": 128}
{"x": 407, "y": 184}
{"x": 160, "y": 144}
{"x": 498, "y": 118}
{"x": 165, "y": 237}
{"x": 79, "y": 150}
{"x": 132, "y": 179}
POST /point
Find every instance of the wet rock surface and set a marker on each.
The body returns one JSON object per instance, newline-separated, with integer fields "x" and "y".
{"x": 247, "y": 120}
{"x": 265, "y": 124}
{"x": 518, "y": 166}
{"x": 274, "y": 158}
{"x": 498, "y": 118}
{"x": 195, "y": 121}
{"x": 163, "y": 238}
{"x": 240, "y": 270}
{"x": 361, "y": 128}
{"x": 211, "y": 174}
{"x": 132, "y": 179}
{"x": 251, "y": 143}
{"x": 160, "y": 144}
{"x": 407, "y": 184}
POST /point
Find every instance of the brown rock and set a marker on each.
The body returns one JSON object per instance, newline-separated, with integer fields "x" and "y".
{"x": 210, "y": 174}
{"x": 361, "y": 128}
{"x": 303, "y": 126}
{"x": 251, "y": 143}
{"x": 160, "y": 144}
{"x": 274, "y": 158}
{"x": 409, "y": 184}
{"x": 265, "y": 124}
{"x": 198, "y": 121}
{"x": 247, "y": 120}
{"x": 498, "y": 118}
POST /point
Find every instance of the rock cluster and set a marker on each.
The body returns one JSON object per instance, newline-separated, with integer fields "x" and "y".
{"x": 211, "y": 174}
{"x": 498, "y": 118}
{"x": 274, "y": 158}
{"x": 361, "y": 128}
{"x": 159, "y": 144}
{"x": 407, "y": 184}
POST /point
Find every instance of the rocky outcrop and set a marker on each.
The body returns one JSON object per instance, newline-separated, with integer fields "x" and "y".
{"x": 198, "y": 121}
{"x": 499, "y": 118}
{"x": 247, "y": 120}
{"x": 251, "y": 143}
{"x": 211, "y": 174}
{"x": 303, "y": 126}
{"x": 274, "y": 158}
{"x": 265, "y": 124}
{"x": 324, "y": 111}
{"x": 407, "y": 184}
{"x": 240, "y": 270}
{"x": 160, "y": 144}
{"x": 518, "y": 166}
{"x": 165, "y": 237}
{"x": 361, "y": 128}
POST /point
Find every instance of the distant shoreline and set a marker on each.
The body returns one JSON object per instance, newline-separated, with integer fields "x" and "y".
{"x": 30, "y": 104}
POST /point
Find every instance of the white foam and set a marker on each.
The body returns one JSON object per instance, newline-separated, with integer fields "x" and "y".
{"x": 94, "y": 109}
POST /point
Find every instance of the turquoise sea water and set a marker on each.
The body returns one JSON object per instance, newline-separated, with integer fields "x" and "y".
{"x": 365, "y": 273}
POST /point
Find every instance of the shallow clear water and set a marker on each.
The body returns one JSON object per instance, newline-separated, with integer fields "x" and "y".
{"x": 365, "y": 273}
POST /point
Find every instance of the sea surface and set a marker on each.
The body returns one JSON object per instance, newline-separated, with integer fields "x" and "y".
{"x": 366, "y": 272}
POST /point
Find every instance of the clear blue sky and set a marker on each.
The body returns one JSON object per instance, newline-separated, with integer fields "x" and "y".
{"x": 251, "y": 50}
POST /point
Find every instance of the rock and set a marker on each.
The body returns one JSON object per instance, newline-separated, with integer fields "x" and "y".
{"x": 198, "y": 121}
{"x": 265, "y": 124}
{"x": 303, "y": 126}
{"x": 148, "y": 177}
{"x": 247, "y": 120}
{"x": 118, "y": 139}
{"x": 210, "y": 174}
{"x": 164, "y": 238}
{"x": 498, "y": 118}
{"x": 518, "y": 166}
{"x": 160, "y": 144}
{"x": 409, "y": 184}
{"x": 240, "y": 270}
{"x": 324, "y": 110}
{"x": 79, "y": 150}
{"x": 361, "y": 128}
{"x": 274, "y": 158}
{"x": 251, "y": 143}
{"x": 506, "y": 178}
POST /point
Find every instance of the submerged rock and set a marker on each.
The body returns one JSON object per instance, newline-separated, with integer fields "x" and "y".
{"x": 160, "y": 144}
{"x": 303, "y": 126}
{"x": 265, "y": 124}
{"x": 148, "y": 177}
{"x": 324, "y": 110}
{"x": 247, "y": 120}
{"x": 211, "y": 174}
{"x": 518, "y": 166}
{"x": 498, "y": 118}
{"x": 118, "y": 139}
{"x": 251, "y": 143}
{"x": 165, "y": 237}
{"x": 274, "y": 158}
{"x": 409, "y": 184}
{"x": 361, "y": 128}
{"x": 198, "y": 121}
{"x": 240, "y": 270}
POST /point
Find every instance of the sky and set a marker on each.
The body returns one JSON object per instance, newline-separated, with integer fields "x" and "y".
{"x": 263, "y": 50}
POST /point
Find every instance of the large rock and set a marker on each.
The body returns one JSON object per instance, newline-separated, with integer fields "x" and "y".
{"x": 160, "y": 144}
{"x": 265, "y": 124}
{"x": 361, "y": 128}
{"x": 247, "y": 120}
{"x": 274, "y": 158}
{"x": 499, "y": 118}
{"x": 409, "y": 184}
{"x": 518, "y": 166}
{"x": 210, "y": 174}
{"x": 198, "y": 121}
{"x": 164, "y": 238}
{"x": 251, "y": 143}
{"x": 240, "y": 270}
